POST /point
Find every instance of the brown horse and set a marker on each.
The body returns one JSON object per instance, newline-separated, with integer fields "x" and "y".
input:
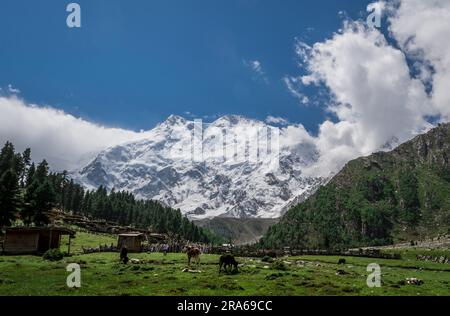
{"x": 193, "y": 253}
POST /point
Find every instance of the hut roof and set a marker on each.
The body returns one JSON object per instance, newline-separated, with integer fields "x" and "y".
{"x": 158, "y": 236}
{"x": 131, "y": 235}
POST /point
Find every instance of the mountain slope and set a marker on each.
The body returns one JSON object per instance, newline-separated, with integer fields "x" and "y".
{"x": 160, "y": 168}
{"x": 239, "y": 231}
{"x": 400, "y": 195}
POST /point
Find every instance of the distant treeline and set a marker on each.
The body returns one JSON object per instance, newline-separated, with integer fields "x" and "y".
{"x": 28, "y": 192}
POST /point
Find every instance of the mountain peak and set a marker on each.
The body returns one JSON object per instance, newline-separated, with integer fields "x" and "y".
{"x": 161, "y": 168}
{"x": 174, "y": 120}
{"x": 232, "y": 119}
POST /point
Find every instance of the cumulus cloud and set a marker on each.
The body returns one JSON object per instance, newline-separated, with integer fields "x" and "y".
{"x": 65, "y": 141}
{"x": 422, "y": 30}
{"x": 374, "y": 95}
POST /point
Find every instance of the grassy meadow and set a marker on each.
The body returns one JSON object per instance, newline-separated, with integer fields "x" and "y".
{"x": 103, "y": 274}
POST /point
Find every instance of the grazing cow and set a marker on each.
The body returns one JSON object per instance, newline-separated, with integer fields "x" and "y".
{"x": 193, "y": 253}
{"x": 124, "y": 255}
{"x": 227, "y": 261}
{"x": 342, "y": 261}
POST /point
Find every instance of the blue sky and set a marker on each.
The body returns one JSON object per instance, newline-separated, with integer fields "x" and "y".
{"x": 133, "y": 63}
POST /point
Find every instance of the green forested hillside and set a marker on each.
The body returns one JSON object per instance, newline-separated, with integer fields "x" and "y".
{"x": 376, "y": 200}
{"x": 29, "y": 192}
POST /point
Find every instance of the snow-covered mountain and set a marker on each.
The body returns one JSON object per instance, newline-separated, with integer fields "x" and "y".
{"x": 207, "y": 176}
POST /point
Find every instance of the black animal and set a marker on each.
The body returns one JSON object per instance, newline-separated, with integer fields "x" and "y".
{"x": 227, "y": 261}
{"x": 124, "y": 255}
{"x": 342, "y": 261}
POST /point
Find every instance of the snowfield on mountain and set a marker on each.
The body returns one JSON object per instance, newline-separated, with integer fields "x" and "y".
{"x": 161, "y": 167}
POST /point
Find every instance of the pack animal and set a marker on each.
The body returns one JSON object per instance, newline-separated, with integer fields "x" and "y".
{"x": 193, "y": 253}
{"x": 227, "y": 261}
{"x": 124, "y": 255}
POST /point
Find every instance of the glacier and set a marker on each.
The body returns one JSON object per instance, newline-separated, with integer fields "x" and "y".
{"x": 161, "y": 167}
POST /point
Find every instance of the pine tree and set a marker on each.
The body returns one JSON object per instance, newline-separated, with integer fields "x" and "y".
{"x": 30, "y": 175}
{"x": 44, "y": 201}
{"x": 29, "y": 207}
{"x": 40, "y": 196}
{"x": 19, "y": 166}
{"x": 77, "y": 200}
{"x": 26, "y": 159}
{"x": 9, "y": 198}
{"x": 42, "y": 171}
{"x": 87, "y": 204}
{"x": 9, "y": 190}
{"x": 7, "y": 158}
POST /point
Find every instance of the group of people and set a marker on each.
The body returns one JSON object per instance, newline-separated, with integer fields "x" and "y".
{"x": 101, "y": 248}
{"x": 173, "y": 248}
{"x": 203, "y": 248}
{"x": 163, "y": 248}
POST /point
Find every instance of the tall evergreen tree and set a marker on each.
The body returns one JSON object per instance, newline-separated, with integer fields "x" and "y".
{"x": 41, "y": 173}
{"x": 44, "y": 201}
{"x": 26, "y": 160}
{"x": 7, "y": 158}
{"x": 9, "y": 190}
{"x": 40, "y": 196}
{"x": 30, "y": 175}
{"x": 9, "y": 198}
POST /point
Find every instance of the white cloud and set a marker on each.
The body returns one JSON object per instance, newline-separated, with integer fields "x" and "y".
{"x": 292, "y": 84}
{"x": 373, "y": 94}
{"x": 276, "y": 120}
{"x": 296, "y": 135}
{"x": 13, "y": 90}
{"x": 377, "y": 7}
{"x": 64, "y": 140}
{"x": 422, "y": 29}
{"x": 256, "y": 67}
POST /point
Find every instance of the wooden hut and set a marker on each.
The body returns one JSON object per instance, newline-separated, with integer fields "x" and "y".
{"x": 34, "y": 240}
{"x": 133, "y": 241}
{"x": 157, "y": 238}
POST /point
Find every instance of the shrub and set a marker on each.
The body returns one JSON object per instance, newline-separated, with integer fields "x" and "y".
{"x": 53, "y": 255}
{"x": 279, "y": 265}
{"x": 273, "y": 276}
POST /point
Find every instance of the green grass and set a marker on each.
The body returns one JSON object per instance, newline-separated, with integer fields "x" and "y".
{"x": 411, "y": 253}
{"x": 87, "y": 240}
{"x": 102, "y": 274}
